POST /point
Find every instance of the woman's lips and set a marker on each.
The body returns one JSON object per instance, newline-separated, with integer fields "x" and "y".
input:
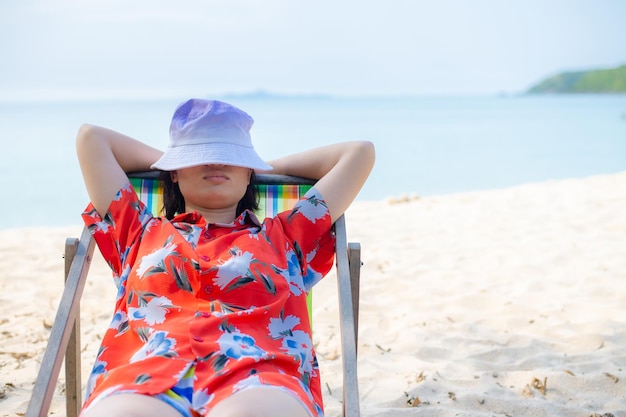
{"x": 215, "y": 176}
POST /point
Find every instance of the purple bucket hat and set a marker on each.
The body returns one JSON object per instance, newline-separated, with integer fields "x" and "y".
{"x": 206, "y": 132}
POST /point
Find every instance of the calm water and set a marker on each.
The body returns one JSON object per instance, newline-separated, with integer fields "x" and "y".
{"x": 425, "y": 145}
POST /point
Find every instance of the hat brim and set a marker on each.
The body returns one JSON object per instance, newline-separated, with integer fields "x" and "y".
{"x": 186, "y": 156}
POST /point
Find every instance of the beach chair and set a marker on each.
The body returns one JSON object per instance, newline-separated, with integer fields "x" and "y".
{"x": 276, "y": 193}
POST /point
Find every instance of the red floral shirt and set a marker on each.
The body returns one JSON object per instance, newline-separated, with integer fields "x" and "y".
{"x": 228, "y": 299}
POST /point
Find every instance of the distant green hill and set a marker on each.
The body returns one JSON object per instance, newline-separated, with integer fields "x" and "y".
{"x": 594, "y": 81}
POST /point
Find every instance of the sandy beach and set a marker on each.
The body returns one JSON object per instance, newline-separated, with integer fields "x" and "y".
{"x": 507, "y": 302}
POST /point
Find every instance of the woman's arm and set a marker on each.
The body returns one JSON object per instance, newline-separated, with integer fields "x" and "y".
{"x": 105, "y": 156}
{"x": 341, "y": 170}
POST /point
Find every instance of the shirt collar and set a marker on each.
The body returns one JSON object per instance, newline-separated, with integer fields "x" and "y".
{"x": 247, "y": 218}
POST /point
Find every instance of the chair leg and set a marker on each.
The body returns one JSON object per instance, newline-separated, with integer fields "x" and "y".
{"x": 52, "y": 360}
{"x": 354, "y": 258}
{"x": 347, "y": 322}
{"x": 72, "y": 353}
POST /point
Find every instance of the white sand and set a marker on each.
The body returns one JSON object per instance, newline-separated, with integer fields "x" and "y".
{"x": 500, "y": 303}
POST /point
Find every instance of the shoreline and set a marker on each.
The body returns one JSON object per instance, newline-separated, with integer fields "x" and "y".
{"x": 497, "y": 302}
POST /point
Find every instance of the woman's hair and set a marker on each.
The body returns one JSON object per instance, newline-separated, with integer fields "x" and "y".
{"x": 174, "y": 202}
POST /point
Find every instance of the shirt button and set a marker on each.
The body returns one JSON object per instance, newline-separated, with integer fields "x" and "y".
{"x": 205, "y": 314}
{"x": 206, "y": 234}
{"x": 208, "y": 289}
{"x": 205, "y": 258}
{"x": 198, "y": 339}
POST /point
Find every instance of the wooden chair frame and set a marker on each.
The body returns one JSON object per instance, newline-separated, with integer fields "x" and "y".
{"x": 65, "y": 333}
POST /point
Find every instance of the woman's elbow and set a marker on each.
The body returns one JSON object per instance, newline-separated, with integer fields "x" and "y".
{"x": 89, "y": 143}
{"x": 84, "y": 134}
{"x": 369, "y": 148}
{"x": 366, "y": 152}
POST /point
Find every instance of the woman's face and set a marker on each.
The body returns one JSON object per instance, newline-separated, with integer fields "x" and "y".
{"x": 212, "y": 187}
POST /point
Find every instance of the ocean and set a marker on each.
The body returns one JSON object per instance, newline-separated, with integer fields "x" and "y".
{"x": 425, "y": 145}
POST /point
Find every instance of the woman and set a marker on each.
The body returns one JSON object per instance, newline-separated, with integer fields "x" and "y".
{"x": 210, "y": 317}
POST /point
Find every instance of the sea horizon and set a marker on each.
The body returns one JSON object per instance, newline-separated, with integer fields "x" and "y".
{"x": 265, "y": 94}
{"x": 426, "y": 145}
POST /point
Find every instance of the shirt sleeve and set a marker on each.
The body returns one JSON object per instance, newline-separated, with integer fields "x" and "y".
{"x": 308, "y": 227}
{"x": 121, "y": 227}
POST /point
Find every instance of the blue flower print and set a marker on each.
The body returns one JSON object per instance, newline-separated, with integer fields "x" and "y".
{"x": 293, "y": 274}
{"x": 311, "y": 278}
{"x": 307, "y": 391}
{"x": 157, "y": 345}
{"x": 235, "y": 345}
{"x": 120, "y": 281}
{"x": 119, "y": 323}
{"x": 98, "y": 369}
{"x": 190, "y": 232}
{"x": 299, "y": 283}
{"x": 238, "y": 345}
{"x": 145, "y": 217}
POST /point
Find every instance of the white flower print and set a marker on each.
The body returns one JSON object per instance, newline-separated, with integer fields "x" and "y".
{"x": 296, "y": 343}
{"x": 153, "y": 312}
{"x": 237, "y": 266}
{"x": 300, "y": 346}
{"x": 128, "y": 188}
{"x": 280, "y": 328}
{"x": 200, "y": 400}
{"x": 313, "y": 208}
{"x": 145, "y": 217}
{"x": 102, "y": 227}
{"x": 251, "y": 381}
{"x": 155, "y": 258}
{"x": 117, "y": 389}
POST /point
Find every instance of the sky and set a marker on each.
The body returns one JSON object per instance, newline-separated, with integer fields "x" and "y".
{"x": 160, "y": 48}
